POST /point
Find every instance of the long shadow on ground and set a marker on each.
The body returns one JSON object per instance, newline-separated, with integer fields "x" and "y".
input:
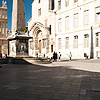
{"x": 35, "y": 82}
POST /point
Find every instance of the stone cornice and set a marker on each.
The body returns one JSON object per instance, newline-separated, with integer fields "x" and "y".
{"x": 3, "y": 38}
{"x": 29, "y": 20}
{"x": 4, "y": 19}
{"x": 3, "y": 8}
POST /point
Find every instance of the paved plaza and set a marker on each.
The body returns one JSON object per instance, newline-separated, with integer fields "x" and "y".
{"x": 64, "y": 80}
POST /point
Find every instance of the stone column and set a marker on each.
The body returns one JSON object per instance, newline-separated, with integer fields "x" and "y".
{"x": 36, "y": 45}
{"x": 18, "y": 16}
{"x": 48, "y": 42}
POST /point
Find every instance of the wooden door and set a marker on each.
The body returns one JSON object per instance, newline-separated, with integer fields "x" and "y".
{"x": 40, "y": 45}
{"x": 51, "y": 48}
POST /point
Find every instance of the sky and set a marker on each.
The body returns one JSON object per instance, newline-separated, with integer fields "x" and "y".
{"x": 28, "y": 11}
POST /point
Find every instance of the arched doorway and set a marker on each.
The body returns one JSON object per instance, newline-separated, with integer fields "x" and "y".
{"x": 40, "y": 41}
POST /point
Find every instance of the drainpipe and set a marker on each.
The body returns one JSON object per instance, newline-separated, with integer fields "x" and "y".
{"x": 91, "y": 46}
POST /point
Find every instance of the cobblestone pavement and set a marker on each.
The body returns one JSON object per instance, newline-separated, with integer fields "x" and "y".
{"x": 64, "y": 80}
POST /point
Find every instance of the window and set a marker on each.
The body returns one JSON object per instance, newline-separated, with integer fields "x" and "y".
{"x": 76, "y": 41}
{"x": 59, "y": 4}
{"x": 2, "y": 13}
{"x": 66, "y": 42}
{"x": 86, "y": 17}
{"x": 59, "y": 43}
{"x": 67, "y": 22}
{"x": 86, "y": 40}
{"x": 39, "y": 1}
{"x": 50, "y": 29}
{"x": 5, "y": 14}
{"x": 66, "y": 3}
{"x": 75, "y": 1}
{"x": 39, "y": 12}
{"x": 3, "y": 28}
{"x": 51, "y": 4}
{"x": 51, "y": 48}
{"x": 76, "y": 20}
{"x": 59, "y": 24}
{"x": 97, "y": 39}
{"x": 97, "y": 14}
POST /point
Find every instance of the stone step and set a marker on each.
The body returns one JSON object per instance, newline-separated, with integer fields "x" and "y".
{"x": 37, "y": 60}
{"x": 26, "y": 60}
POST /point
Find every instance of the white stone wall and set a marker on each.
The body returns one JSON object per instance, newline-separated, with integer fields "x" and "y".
{"x": 82, "y": 29}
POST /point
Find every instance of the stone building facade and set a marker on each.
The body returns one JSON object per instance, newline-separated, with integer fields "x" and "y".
{"x": 78, "y": 28}
{"x": 75, "y": 27}
{"x": 42, "y": 28}
{"x": 3, "y": 28}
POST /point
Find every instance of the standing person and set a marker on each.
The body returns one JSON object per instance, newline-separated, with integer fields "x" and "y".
{"x": 70, "y": 55}
{"x": 59, "y": 55}
{"x": 54, "y": 56}
{"x": 44, "y": 55}
{"x": 3, "y": 56}
{"x": 97, "y": 55}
